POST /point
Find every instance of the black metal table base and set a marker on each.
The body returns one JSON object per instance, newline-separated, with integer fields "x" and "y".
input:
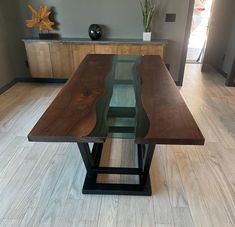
{"x": 92, "y": 159}
{"x": 91, "y": 187}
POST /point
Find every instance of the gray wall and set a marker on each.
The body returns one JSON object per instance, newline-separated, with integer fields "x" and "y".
{"x": 230, "y": 52}
{"x": 219, "y": 33}
{"x": 11, "y": 48}
{"x": 6, "y": 71}
{"x": 122, "y": 19}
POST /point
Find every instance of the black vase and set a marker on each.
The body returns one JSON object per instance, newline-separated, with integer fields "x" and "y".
{"x": 95, "y": 31}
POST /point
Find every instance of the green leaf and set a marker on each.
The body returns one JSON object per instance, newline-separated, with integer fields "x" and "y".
{"x": 148, "y": 9}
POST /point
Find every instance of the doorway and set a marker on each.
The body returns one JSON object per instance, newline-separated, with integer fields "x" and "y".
{"x": 199, "y": 31}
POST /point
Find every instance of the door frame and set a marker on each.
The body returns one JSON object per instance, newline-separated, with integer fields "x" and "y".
{"x": 185, "y": 43}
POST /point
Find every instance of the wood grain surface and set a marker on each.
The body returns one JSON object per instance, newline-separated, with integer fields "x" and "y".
{"x": 72, "y": 115}
{"x": 45, "y": 57}
{"x": 170, "y": 120}
{"x": 39, "y": 59}
{"x": 61, "y": 60}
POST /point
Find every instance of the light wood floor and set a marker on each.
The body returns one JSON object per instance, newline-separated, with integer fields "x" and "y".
{"x": 40, "y": 183}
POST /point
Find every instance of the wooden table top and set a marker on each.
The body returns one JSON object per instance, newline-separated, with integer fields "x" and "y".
{"x": 80, "y": 112}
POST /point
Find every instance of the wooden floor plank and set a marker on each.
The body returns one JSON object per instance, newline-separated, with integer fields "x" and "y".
{"x": 218, "y": 194}
{"x": 10, "y": 222}
{"x": 111, "y": 157}
{"x": 126, "y": 211}
{"x": 108, "y": 211}
{"x": 84, "y": 207}
{"x": 54, "y": 212}
{"x": 192, "y": 186}
{"x": 175, "y": 187}
{"x": 196, "y": 201}
{"x": 10, "y": 151}
{"x": 40, "y": 196}
{"x": 182, "y": 217}
{"x": 10, "y": 192}
{"x": 42, "y": 158}
{"x": 12, "y": 166}
{"x": 161, "y": 200}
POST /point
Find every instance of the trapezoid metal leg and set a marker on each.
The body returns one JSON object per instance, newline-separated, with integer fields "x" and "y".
{"x": 91, "y": 160}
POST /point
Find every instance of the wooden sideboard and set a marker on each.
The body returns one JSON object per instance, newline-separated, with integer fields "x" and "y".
{"x": 60, "y": 58}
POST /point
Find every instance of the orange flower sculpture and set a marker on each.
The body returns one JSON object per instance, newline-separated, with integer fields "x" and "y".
{"x": 40, "y": 19}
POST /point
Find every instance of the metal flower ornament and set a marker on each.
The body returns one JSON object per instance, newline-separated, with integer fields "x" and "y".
{"x": 40, "y": 19}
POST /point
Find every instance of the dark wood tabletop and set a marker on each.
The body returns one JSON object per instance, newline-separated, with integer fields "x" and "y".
{"x": 79, "y": 112}
{"x": 170, "y": 119}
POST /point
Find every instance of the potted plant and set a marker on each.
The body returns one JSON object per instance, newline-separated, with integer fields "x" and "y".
{"x": 148, "y": 9}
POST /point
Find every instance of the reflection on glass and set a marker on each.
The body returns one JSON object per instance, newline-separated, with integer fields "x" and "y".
{"x": 122, "y": 107}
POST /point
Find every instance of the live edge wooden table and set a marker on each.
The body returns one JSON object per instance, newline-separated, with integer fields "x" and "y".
{"x": 129, "y": 97}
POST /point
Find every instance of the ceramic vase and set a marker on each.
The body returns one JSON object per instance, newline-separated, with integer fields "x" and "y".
{"x": 147, "y": 36}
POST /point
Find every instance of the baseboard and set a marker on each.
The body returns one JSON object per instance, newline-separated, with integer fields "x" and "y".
{"x": 7, "y": 86}
{"x": 39, "y": 80}
{"x": 230, "y": 84}
{"x": 178, "y": 83}
{"x": 230, "y": 81}
{"x": 220, "y": 71}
